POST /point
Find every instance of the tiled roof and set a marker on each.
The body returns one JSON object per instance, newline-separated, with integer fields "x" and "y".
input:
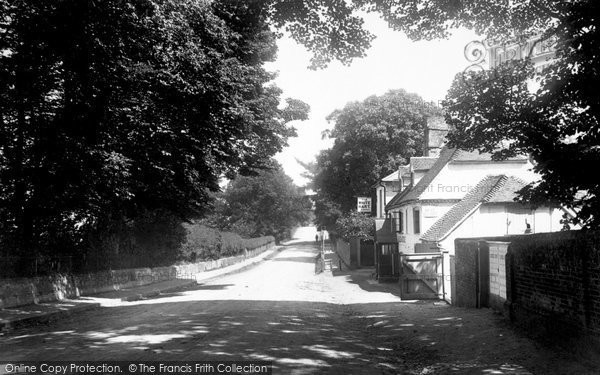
{"x": 403, "y": 170}
{"x": 413, "y": 192}
{"x": 507, "y": 192}
{"x": 420, "y": 163}
{"x": 391, "y": 177}
{"x": 494, "y": 189}
{"x": 447, "y": 155}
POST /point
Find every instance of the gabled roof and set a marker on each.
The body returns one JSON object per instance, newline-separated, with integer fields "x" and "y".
{"x": 492, "y": 189}
{"x": 391, "y": 177}
{"x": 447, "y": 155}
{"x": 413, "y": 192}
{"x": 403, "y": 171}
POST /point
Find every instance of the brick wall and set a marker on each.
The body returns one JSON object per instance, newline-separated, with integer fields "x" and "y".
{"x": 554, "y": 279}
{"x": 551, "y": 281}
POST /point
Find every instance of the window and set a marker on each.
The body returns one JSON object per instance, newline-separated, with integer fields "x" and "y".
{"x": 416, "y": 221}
{"x": 397, "y": 221}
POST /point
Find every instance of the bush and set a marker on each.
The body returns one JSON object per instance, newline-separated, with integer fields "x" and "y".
{"x": 204, "y": 243}
{"x": 354, "y": 224}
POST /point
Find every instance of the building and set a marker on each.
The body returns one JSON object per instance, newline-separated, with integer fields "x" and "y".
{"x": 489, "y": 209}
{"x": 388, "y": 187}
{"x": 455, "y": 193}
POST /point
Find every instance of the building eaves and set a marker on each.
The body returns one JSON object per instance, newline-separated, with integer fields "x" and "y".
{"x": 412, "y": 193}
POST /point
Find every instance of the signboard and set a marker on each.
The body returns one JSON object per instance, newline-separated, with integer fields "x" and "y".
{"x": 363, "y": 204}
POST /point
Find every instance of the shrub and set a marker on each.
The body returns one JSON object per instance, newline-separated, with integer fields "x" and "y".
{"x": 354, "y": 224}
{"x": 204, "y": 243}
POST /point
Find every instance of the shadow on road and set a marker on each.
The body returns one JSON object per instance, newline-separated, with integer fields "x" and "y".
{"x": 298, "y": 337}
{"x": 295, "y": 259}
{"x": 365, "y": 280}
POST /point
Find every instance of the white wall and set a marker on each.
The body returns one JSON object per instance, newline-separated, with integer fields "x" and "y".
{"x": 491, "y": 220}
{"x": 429, "y": 214}
{"x": 384, "y": 195}
{"x": 455, "y": 180}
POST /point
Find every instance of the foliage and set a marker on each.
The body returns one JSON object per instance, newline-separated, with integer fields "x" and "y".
{"x": 110, "y": 109}
{"x": 355, "y": 224}
{"x": 265, "y": 204}
{"x": 507, "y": 20}
{"x": 204, "y": 243}
{"x": 326, "y": 212}
{"x": 558, "y": 124}
{"x": 328, "y": 28}
{"x": 372, "y": 138}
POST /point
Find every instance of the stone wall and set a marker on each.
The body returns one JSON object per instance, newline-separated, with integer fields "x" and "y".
{"x": 25, "y": 291}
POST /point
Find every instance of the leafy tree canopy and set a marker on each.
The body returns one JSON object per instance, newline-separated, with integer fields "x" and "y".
{"x": 557, "y": 124}
{"x": 267, "y": 204}
{"x": 372, "y": 138}
{"x": 111, "y": 108}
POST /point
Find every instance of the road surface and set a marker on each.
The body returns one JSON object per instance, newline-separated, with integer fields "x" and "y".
{"x": 334, "y": 322}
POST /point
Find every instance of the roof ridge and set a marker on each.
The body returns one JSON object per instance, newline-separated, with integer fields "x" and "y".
{"x": 461, "y": 210}
{"x": 415, "y": 191}
{"x": 495, "y": 187}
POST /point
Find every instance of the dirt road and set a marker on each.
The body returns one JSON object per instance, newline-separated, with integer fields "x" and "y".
{"x": 280, "y": 311}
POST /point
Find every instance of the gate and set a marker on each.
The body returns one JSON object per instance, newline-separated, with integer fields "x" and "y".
{"x": 422, "y": 276}
{"x": 367, "y": 253}
{"x": 388, "y": 264}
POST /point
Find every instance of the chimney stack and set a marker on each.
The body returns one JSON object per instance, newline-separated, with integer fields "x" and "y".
{"x": 435, "y": 136}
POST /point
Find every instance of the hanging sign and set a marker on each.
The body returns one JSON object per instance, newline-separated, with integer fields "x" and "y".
{"x": 363, "y": 204}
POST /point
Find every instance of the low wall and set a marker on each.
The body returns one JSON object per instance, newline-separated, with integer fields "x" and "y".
{"x": 554, "y": 281}
{"x": 547, "y": 281}
{"x": 26, "y": 291}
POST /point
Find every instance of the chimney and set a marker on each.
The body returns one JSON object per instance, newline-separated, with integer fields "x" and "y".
{"x": 435, "y": 136}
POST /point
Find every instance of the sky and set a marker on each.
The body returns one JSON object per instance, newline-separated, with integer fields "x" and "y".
{"x": 393, "y": 62}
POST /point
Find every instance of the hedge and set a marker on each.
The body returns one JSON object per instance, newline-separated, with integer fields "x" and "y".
{"x": 204, "y": 243}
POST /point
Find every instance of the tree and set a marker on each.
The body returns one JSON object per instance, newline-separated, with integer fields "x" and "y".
{"x": 372, "y": 138}
{"x": 267, "y": 204}
{"x": 112, "y": 109}
{"x": 496, "y": 111}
